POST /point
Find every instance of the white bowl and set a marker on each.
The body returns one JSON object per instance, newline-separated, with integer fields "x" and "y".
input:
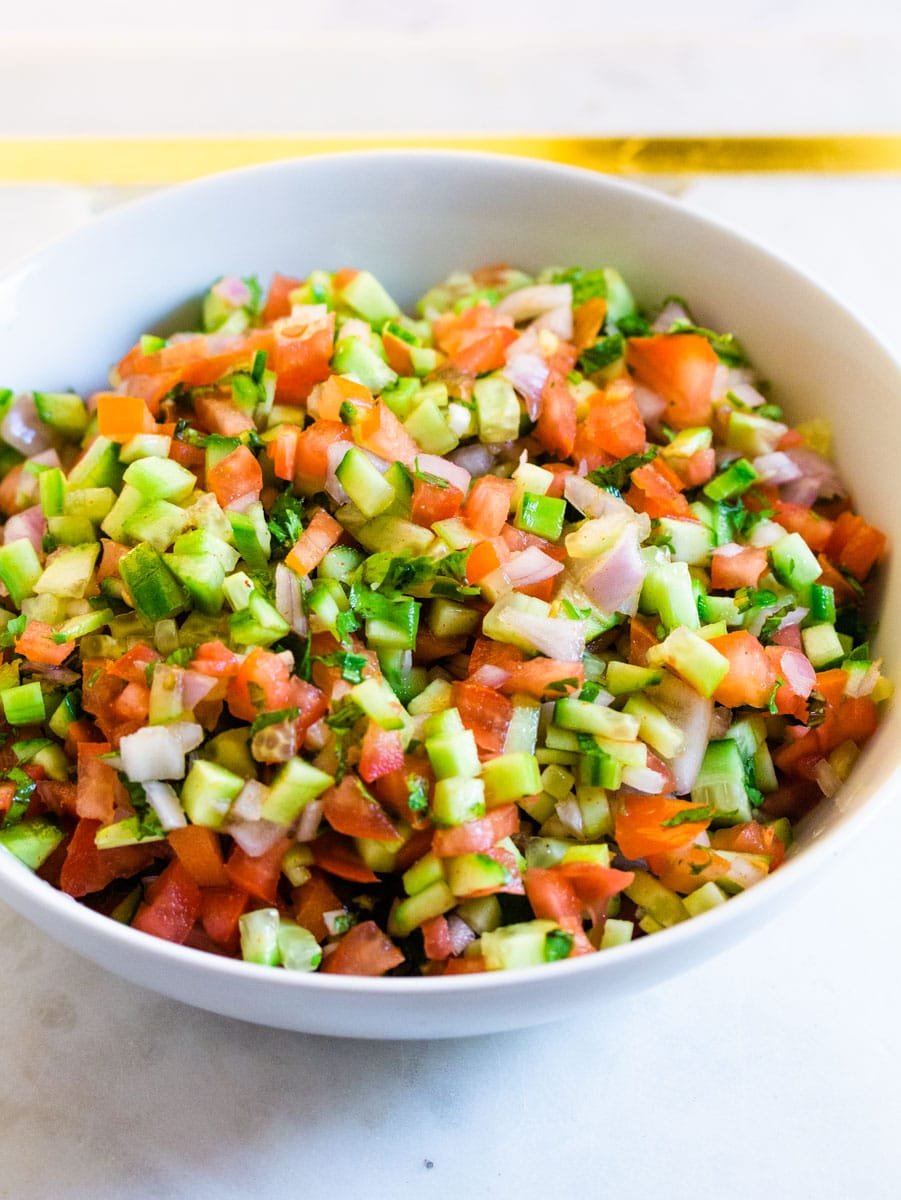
{"x": 411, "y": 218}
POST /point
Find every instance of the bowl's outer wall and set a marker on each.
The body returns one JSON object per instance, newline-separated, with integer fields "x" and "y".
{"x": 71, "y": 311}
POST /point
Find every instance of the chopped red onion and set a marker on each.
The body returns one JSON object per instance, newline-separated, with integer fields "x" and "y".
{"x": 528, "y": 302}
{"x": 747, "y": 394}
{"x": 569, "y": 814}
{"x": 828, "y": 780}
{"x": 308, "y": 825}
{"x": 671, "y": 312}
{"x": 719, "y": 725}
{"x": 558, "y": 321}
{"x": 289, "y": 600}
{"x": 613, "y": 581}
{"x": 651, "y": 406}
{"x": 233, "y": 290}
{"x": 556, "y": 637}
{"x": 530, "y": 566}
{"x": 776, "y": 468}
{"x": 255, "y": 837}
{"x": 802, "y": 491}
{"x": 799, "y": 672}
{"x": 644, "y": 779}
{"x": 528, "y": 374}
{"x": 813, "y": 466}
{"x": 54, "y": 674}
{"x": 790, "y": 636}
{"x": 195, "y": 686}
{"x": 490, "y": 676}
{"x": 456, "y": 475}
{"x": 29, "y": 524}
{"x": 336, "y": 453}
{"x": 248, "y": 804}
{"x": 23, "y": 429}
{"x": 476, "y": 459}
{"x": 794, "y": 617}
{"x": 693, "y": 715}
{"x": 460, "y": 934}
{"x": 242, "y": 503}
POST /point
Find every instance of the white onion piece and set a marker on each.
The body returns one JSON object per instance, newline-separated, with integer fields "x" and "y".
{"x": 242, "y": 503}
{"x": 569, "y": 814}
{"x": 671, "y": 312}
{"x": 729, "y": 550}
{"x": 490, "y": 676}
{"x": 861, "y": 683}
{"x": 23, "y": 429}
{"x": 766, "y": 533}
{"x": 248, "y": 804}
{"x": 165, "y": 803}
{"x": 188, "y": 733}
{"x": 528, "y": 302}
{"x": 804, "y": 491}
{"x": 460, "y": 934}
{"x": 644, "y": 779}
{"x": 651, "y": 406}
{"x": 530, "y": 566}
{"x": 813, "y": 466}
{"x": 794, "y": 617}
{"x": 528, "y": 374}
{"x": 289, "y": 599}
{"x": 558, "y": 321}
{"x": 156, "y": 752}
{"x": 828, "y": 780}
{"x": 335, "y": 454}
{"x": 353, "y": 327}
{"x": 747, "y": 395}
{"x": 195, "y": 686}
{"x": 452, "y": 472}
{"x": 593, "y": 501}
{"x": 556, "y": 637}
{"x": 799, "y": 672}
{"x": 693, "y": 715}
{"x": 719, "y": 725}
{"x": 613, "y": 581}
{"x": 255, "y": 837}
{"x": 776, "y": 467}
{"x": 475, "y": 459}
{"x": 308, "y": 825}
{"x": 28, "y": 524}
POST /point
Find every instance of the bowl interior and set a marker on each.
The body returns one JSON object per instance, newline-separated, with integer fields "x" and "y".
{"x": 66, "y": 315}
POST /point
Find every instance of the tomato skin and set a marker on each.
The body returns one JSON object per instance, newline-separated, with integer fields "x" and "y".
{"x": 855, "y": 545}
{"x": 537, "y": 676}
{"x": 87, "y": 869}
{"x": 728, "y": 572}
{"x": 278, "y": 303}
{"x": 588, "y": 320}
{"x": 220, "y": 910}
{"x": 237, "y": 475}
{"x": 311, "y": 454}
{"x": 350, "y": 811}
{"x": 381, "y": 753}
{"x": 301, "y": 361}
{"x": 132, "y": 665}
{"x": 796, "y": 518}
{"x": 475, "y": 340}
{"x": 488, "y": 505}
{"x": 432, "y": 503}
{"x": 686, "y": 869}
{"x": 477, "y": 837}
{"x": 199, "y": 851}
{"x": 655, "y": 490}
{"x": 263, "y": 683}
{"x": 217, "y": 414}
{"x": 554, "y": 898}
{"x": 338, "y": 856}
{"x": 487, "y": 713}
{"x": 259, "y": 876}
{"x": 364, "y": 950}
{"x": 322, "y": 533}
{"x": 791, "y": 701}
{"x": 172, "y": 905}
{"x": 36, "y": 643}
{"x": 681, "y": 368}
{"x": 99, "y": 788}
{"x": 311, "y": 901}
{"x": 750, "y": 679}
{"x": 436, "y": 939}
{"x": 640, "y": 829}
{"x": 381, "y": 432}
{"x": 613, "y": 424}
{"x": 556, "y": 427}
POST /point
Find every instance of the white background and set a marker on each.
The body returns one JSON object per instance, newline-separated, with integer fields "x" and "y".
{"x": 772, "y": 1071}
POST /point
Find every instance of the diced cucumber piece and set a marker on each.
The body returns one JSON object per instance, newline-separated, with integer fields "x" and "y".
{"x": 721, "y": 783}
{"x": 251, "y": 535}
{"x": 202, "y": 543}
{"x": 662, "y": 904}
{"x": 431, "y": 902}
{"x": 748, "y": 733}
{"x": 128, "y": 832}
{"x": 31, "y": 842}
{"x": 510, "y": 777}
{"x": 52, "y": 490}
{"x": 655, "y": 728}
{"x": 435, "y": 698}
{"x": 157, "y": 522}
{"x": 156, "y": 592}
{"x": 449, "y": 619}
{"x": 497, "y": 410}
{"x": 392, "y": 533}
{"x": 794, "y": 563}
{"x": 454, "y": 754}
{"x": 733, "y": 481}
{"x": 24, "y": 705}
{"x": 63, "y": 411}
{"x": 292, "y": 789}
{"x": 366, "y": 296}
{"x": 481, "y": 913}
{"x": 704, "y": 899}
{"x": 127, "y": 504}
{"x": 259, "y": 937}
{"x": 581, "y": 716}
{"x": 68, "y": 571}
{"x": 525, "y": 944}
{"x": 622, "y": 678}
{"x": 378, "y": 701}
{"x": 690, "y": 541}
{"x": 145, "y": 445}
{"x": 202, "y": 579}
{"x": 93, "y": 503}
{"x": 541, "y": 515}
{"x": 428, "y": 427}
{"x": 99, "y": 466}
{"x": 208, "y": 792}
{"x": 364, "y": 483}
{"x": 298, "y": 950}
{"x": 822, "y": 645}
{"x": 458, "y": 800}
{"x": 522, "y": 732}
{"x": 470, "y": 873}
{"x": 424, "y": 872}
{"x": 616, "y": 933}
{"x": 20, "y": 569}
{"x": 668, "y": 591}
{"x": 699, "y": 663}
{"x": 231, "y": 750}
{"x": 353, "y": 357}
{"x": 258, "y": 624}
{"x": 744, "y": 871}
{"x": 70, "y": 531}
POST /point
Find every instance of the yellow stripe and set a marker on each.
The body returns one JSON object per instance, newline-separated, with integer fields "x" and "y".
{"x": 156, "y": 160}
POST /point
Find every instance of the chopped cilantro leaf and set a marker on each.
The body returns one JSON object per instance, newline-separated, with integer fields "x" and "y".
{"x": 25, "y": 786}
{"x": 725, "y": 345}
{"x": 351, "y": 665}
{"x": 264, "y": 720}
{"x": 586, "y": 285}
{"x": 562, "y": 685}
{"x": 417, "y": 796}
{"x": 346, "y": 623}
{"x": 575, "y": 614}
{"x": 590, "y": 691}
{"x": 771, "y": 703}
{"x": 148, "y": 823}
{"x": 285, "y": 519}
{"x": 698, "y": 812}
{"x": 605, "y": 351}
{"x": 617, "y": 475}
{"x": 14, "y": 629}
{"x": 557, "y": 945}
{"x": 345, "y": 717}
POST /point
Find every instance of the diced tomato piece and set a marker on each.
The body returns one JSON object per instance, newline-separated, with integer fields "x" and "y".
{"x": 488, "y": 505}
{"x": 263, "y": 683}
{"x": 477, "y": 837}
{"x": 121, "y": 417}
{"x": 595, "y": 885}
{"x": 381, "y": 432}
{"x": 553, "y": 898}
{"x": 237, "y": 475}
{"x": 314, "y": 543}
{"x": 37, "y": 645}
{"x": 258, "y": 876}
{"x": 430, "y": 647}
{"x": 484, "y": 558}
{"x": 681, "y": 368}
{"x": 132, "y": 665}
{"x": 339, "y": 390}
{"x": 278, "y": 298}
{"x": 750, "y": 838}
{"x": 556, "y": 426}
{"x": 796, "y": 518}
{"x": 486, "y": 652}
{"x": 172, "y": 905}
{"x": 433, "y": 503}
{"x": 312, "y": 900}
{"x": 99, "y": 788}
{"x": 538, "y": 676}
{"x": 87, "y": 870}
{"x": 796, "y": 678}
{"x": 465, "y": 966}
{"x": 364, "y": 950}
{"x": 200, "y": 853}
{"x": 338, "y": 856}
{"x": 220, "y": 910}
{"x": 214, "y": 658}
{"x": 487, "y": 713}
{"x": 588, "y": 320}
{"x": 350, "y": 810}
{"x": 844, "y": 592}
{"x": 394, "y": 788}
{"x": 641, "y": 828}
{"x": 437, "y": 939}
{"x": 133, "y": 703}
{"x": 750, "y": 678}
{"x": 475, "y": 340}
{"x": 697, "y": 469}
{"x": 613, "y": 424}
{"x": 655, "y": 490}
{"x": 688, "y": 868}
{"x": 641, "y": 638}
{"x": 283, "y": 451}
{"x": 381, "y": 752}
{"x": 301, "y": 359}
{"x": 855, "y": 546}
{"x": 731, "y": 571}
{"x": 217, "y": 414}
{"x": 311, "y": 455}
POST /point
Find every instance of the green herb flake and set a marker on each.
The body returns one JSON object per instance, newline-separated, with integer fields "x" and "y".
{"x": 697, "y": 812}
{"x": 274, "y": 718}
{"x": 285, "y": 521}
{"x": 351, "y": 665}
{"x": 417, "y": 795}
{"x": 557, "y": 945}
{"x": 617, "y": 476}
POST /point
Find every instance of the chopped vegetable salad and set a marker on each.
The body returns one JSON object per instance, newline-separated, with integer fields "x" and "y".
{"x": 344, "y": 640}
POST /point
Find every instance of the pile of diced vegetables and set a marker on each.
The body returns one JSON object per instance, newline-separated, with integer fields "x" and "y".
{"x": 340, "y": 639}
